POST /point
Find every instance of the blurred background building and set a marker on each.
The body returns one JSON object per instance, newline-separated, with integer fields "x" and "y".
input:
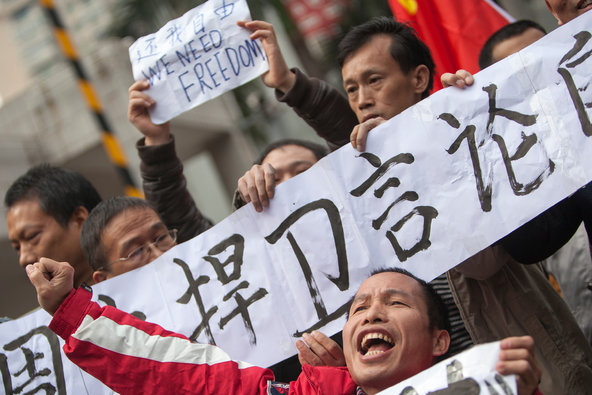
{"x": 44, "y": 119}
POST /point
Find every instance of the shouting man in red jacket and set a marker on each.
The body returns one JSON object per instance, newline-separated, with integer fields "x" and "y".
{"x": 396, "y": 328}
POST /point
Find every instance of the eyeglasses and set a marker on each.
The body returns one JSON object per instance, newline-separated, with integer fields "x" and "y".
{"x": 141, "y": 255}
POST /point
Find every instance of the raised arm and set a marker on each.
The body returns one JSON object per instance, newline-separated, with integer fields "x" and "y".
{"x": 321, "y": 106}
{"x": 164, "y": 184}
{"x": 279, "y": 75}
{"x": 132, "y": 356}
{"x": 137, "y": 114}
{"x": 546, "y": 233}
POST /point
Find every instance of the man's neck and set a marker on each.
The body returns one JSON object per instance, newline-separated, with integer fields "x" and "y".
{"x": 81, "y": 276}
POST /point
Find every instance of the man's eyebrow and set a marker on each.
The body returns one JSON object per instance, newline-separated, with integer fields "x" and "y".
{"x": 20, "y": 232}
{"x": 158, "y": 225}
{"x": 348, "y": 81}
{"x": 363, "y": 75}
{"x": 29, "y": 226}
{"x": 127, "y": 244}
{"x": 397, "y": 292}
{"x": 155, "y": 226}
{"x": 389, "y": 291}
{"x": 360, "y": 297}
{"x": 300, "y": 162}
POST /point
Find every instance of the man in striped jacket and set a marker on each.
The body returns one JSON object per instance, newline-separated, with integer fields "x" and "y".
{"x": 395, "y": 329}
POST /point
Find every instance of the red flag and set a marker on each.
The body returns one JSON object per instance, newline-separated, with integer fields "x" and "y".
{"x": 454, "y": 31}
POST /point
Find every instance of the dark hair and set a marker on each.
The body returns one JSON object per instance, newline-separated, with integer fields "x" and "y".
{"x": 406, "y": 47}
{"x": 503, "y": 34}
{"x": 59, "y": 191}
{"x": 97, "y": 221}
{"x": 437, "y": 311}
{"x": 318, "y": 150}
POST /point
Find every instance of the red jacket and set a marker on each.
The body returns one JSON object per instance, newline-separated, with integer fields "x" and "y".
{"x": 135, "y": 357}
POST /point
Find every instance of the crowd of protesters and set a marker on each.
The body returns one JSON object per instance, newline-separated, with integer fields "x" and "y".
{"x": 397, "y": 325}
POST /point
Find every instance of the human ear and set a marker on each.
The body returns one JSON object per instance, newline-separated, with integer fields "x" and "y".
{"x": 421, "y": 78}
{"x": 79, "y": 215}
{"x": 553, "y": 12}
{"x": 441, "y": 342}
{"x": 99, "y": 275}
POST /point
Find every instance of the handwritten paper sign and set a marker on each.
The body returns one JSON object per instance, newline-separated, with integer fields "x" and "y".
{"x": 197, "y": 57}
{"x": 32, "y": 361}
{"x": 470, "y": 372}
{"x": 439, "y": 182}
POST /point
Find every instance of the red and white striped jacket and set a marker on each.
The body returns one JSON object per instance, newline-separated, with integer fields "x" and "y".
{"x": 135, "y": 357}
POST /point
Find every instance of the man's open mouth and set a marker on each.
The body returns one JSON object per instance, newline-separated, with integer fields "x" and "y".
{"x": 375, "y": 343}
{"x": 584, "y": 4}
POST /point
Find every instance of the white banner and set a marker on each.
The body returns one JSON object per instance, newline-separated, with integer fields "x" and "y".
{"x": 197, "y": 57}
{"x": 470, "y": 372}
{"x": 439, "y": 182}
{"x": 32, "y": 361}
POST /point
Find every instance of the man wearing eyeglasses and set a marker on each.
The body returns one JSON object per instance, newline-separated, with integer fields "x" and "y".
{"x": 122, "y": 234}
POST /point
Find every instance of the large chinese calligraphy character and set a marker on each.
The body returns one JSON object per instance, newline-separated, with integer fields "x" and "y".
{"x": 582, "y": 38}
{"x": 428, "y": 213}
{"x": 234, "y": 261}
{"x": 30, "y": 377}
{"x": 527, "y": 142}
{"x": 341, "y": 281}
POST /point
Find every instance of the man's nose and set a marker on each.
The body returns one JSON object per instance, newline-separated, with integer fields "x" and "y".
{"x": 375, "y": 313}
{"x": 26, "y": 256}
{"x": 365, "y": 98}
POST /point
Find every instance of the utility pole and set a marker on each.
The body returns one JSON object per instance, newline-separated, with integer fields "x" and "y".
{"x": 110, "y": 143}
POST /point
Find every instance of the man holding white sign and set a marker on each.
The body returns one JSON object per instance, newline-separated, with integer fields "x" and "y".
{"x": 552, "y": 312}
{"x": 396, "y": 328}
{"x": 373, "y": 96}
{"x": 404, "y": 74}
{"x": 481, "y": 330}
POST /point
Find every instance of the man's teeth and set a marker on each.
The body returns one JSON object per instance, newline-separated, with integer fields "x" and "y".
{"x": 366, "y": 340}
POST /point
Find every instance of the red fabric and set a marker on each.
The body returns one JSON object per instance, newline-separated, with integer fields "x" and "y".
{"x": 454, "y": 31}
{"x": 323, "y": 380}
{"x": 318, "y": 18}
{"x": 127, "y": 373}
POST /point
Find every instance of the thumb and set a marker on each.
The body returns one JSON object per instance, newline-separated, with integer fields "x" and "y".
{"x": 52, "y": 280}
